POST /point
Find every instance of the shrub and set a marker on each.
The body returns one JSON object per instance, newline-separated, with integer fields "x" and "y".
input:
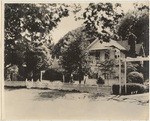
{"x": 67, "y": 77}
{"x": 135, "y": 77}
{"x": 11, "y": 73}
{"x": 52, "y": 75}
{"x": 76, "y": 76}
{"x": 131, "y": 88}
{"x": 100, "y": 80}
{"x": 131, "y": 67}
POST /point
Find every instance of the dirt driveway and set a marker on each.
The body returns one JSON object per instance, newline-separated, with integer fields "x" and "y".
{"x": 53, "y": 104}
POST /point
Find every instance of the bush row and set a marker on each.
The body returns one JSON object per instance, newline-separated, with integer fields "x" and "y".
{"x": 131, "y": 88}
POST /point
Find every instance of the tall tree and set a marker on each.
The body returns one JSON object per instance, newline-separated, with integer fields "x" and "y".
{"x": 134, "y": 27}
{"x": 71, "y": 50}
{"x": 28, "y": 34}
{"x": 69, "y": 37}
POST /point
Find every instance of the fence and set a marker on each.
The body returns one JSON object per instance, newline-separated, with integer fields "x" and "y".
{"x": 68, "y": 86}
{"x": 61, "y": 86}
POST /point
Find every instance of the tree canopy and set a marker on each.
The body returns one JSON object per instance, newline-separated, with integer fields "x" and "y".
{"x": 104, "y": 21}
{"x": 71, "y": 50}
{"x": 100, "y": 19}
{"x": 28, "y": 34}
{"x": 134, "y": 27}
{"x": 69, "y": 38}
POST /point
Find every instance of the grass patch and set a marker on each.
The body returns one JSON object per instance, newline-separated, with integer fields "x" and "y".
{"x": 56, "y": 93}
{"x": 96, "y": 95}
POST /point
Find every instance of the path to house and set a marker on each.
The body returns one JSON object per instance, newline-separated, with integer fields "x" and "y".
{"x": 51, "y": 104}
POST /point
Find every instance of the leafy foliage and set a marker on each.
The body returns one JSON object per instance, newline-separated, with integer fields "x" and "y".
{"x": 64, "y": 42}
{"x": 52, "y": 75}
{"x": 71, "y": 50}
{"x": 74, "y": 56}
{"x": 135, "y": 77}
{"x": 100, "y": 80}
{"x": 100, "y": 19}
{"x": 27, "y": 34}
{"x": 107, "y": 67}
{"x": 11, "y": 70}
{"x": 136, "y": 66}
{"x": 134, "y": 26}
{"x": 131, "y": 88}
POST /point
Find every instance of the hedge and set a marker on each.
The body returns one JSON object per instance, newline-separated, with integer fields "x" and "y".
{"x": 52, "y": 75}
{"x": 131, "y": 88}
{"x": 100, "y": 80}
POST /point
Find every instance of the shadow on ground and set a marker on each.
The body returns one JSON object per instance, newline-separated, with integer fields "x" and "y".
{"x": 8, "y": 88}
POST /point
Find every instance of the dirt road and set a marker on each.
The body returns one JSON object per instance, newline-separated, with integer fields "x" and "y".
{"x": 48, "y": 104}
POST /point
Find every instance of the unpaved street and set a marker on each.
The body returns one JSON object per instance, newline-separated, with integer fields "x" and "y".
{"x": 52, "y": 104}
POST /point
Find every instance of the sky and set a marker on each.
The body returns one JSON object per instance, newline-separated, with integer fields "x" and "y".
{"x": 68, "y": 24}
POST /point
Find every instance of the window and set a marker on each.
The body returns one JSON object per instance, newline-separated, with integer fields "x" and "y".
{"x": 97, "y": 54}
{"x": 117, "y": 53}
{"x": 107, "y": 54}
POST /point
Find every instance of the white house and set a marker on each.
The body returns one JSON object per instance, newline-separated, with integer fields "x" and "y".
{"x": 101, "y": 51}
{"x": 106, "y": 50}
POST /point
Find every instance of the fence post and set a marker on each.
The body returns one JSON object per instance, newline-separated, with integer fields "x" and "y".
{"x": 41, "y": 77}
{"x": 63, "y": 78}
{"x": 26, "y": 82}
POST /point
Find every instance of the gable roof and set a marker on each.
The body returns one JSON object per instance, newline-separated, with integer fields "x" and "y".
{"x": 97, "y": 45}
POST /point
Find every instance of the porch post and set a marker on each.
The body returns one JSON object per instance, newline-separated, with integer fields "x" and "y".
{"x": 142, "y": 63}
{"x": 119, "y": 76}
{"x": 125, "y": 77}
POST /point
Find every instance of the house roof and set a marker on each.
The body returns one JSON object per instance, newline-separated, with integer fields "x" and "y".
{"x": 125, "y": 44}
{"x": 97, "y": 45}
{"x": 138, "y": 47}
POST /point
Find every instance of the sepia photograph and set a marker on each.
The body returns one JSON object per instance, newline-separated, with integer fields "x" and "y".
{"x": 74, "y": 60}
